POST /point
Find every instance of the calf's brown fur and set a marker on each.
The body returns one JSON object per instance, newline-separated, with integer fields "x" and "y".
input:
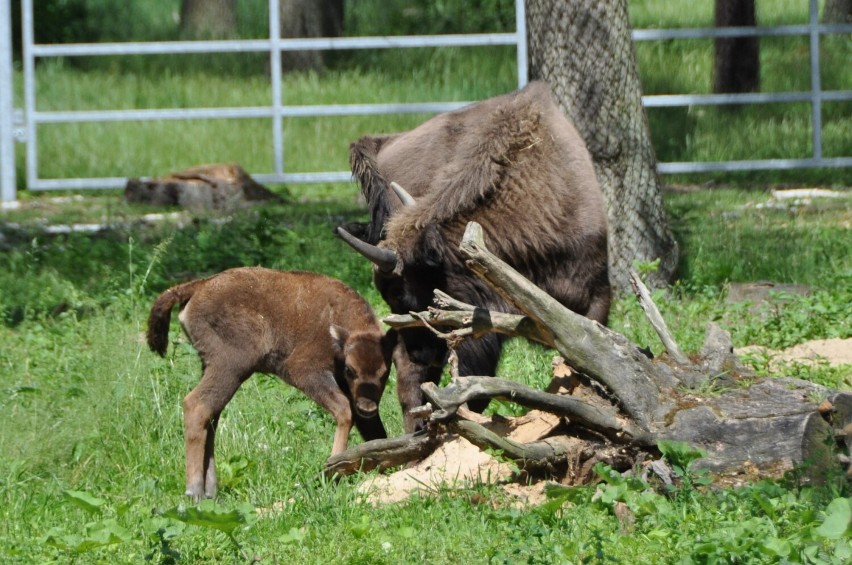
{"x": 312, "y": 331}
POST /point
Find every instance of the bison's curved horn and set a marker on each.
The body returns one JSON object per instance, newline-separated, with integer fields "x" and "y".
{"x": 407, "y": 199}
{"x": 384, "y": 259}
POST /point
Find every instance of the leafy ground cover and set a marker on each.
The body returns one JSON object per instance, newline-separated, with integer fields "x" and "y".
{"x": 93, "y": 448}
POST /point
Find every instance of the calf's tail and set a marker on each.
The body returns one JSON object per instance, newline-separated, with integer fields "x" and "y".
{"x": 161, "y": 314}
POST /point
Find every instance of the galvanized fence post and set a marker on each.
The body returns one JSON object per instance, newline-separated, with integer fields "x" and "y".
{"x": 816, "y": 86}
{"x": 7, "y": 92}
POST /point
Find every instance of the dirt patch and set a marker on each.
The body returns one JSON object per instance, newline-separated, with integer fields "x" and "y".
{"x": 835, "y": 352}
{"x": 459, "y": 464}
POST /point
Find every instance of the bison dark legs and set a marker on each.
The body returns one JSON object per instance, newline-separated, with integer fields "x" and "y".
{"x": 409, "y": 376}
{"x": 369, "y": 428}
{"x": 476, "y": 357}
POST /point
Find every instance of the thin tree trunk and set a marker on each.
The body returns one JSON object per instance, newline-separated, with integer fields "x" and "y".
{"x": 208, "y": 18}
{"x": 737, "y": 61}
{"x": 584, "y": 50}
{"x": 309, "y": 18}
{"x": 837, "y": 12}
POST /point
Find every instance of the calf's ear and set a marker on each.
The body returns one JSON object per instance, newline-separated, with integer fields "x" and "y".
{"x": 339, "y": 336}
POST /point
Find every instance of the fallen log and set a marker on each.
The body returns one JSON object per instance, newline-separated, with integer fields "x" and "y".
{"x": 748, "y": 425}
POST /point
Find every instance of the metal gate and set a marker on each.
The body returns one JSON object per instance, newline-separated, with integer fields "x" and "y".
{"x": 27, "y": 130}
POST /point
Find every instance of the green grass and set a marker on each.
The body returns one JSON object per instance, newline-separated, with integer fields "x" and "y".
{"x": 93, "y": 447}
{"x": 92, "y": 442}
{"x": 126, "y": 149}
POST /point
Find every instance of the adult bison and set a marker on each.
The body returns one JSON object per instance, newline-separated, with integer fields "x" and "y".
{"x": 517, "y": 166}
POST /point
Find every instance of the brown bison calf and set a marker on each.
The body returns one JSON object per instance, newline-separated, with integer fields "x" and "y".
{"x": 312, "y": 331}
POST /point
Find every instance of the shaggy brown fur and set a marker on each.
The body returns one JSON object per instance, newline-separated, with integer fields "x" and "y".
{"x": 312, "y": 331}
{"x": 518, "y": 167}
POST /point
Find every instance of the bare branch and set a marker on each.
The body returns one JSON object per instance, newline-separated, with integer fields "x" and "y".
{"x": 465, "y": 389}
{"x": 656, "y": 319}
{"x": 381, "y": 454}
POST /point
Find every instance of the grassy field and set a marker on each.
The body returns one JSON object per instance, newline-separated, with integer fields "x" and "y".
{"x": 93, "y": 451}
{"x": 126, "y": 149}
{"x": 92, "y": 443}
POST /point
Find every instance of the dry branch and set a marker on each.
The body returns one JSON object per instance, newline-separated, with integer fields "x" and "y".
{"x": 760, "y": 427}
{"x": 464, "y": 389}
{"x": 381, "y": 454}
{"x": 656, "y": 319}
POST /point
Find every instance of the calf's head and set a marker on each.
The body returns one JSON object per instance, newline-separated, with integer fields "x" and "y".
{"x": 362, "y": 362}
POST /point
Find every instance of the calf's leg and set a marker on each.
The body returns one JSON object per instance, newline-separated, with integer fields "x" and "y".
{"x": 321, "y": 387}
{"x": 201, "y": 410}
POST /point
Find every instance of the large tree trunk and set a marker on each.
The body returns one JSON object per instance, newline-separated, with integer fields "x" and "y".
{"x": 757, "y": 427}
{"x": 837, "y": 12}
{"x": 584, "y": 50}
{"x": 208, "y": 19}
{"x": 737, "y": 62}
{"x": 309, "y": 18}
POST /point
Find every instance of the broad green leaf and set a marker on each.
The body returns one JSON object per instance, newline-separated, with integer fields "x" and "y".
{"x": 777, "y": 547}
{"x": 838, "y": 514}
{"x": 679, "y": 453}
{"x": 576, "y": 494}
{"x": 99, "y": 534}
{"x": 67, "y": 542}
{"x": 294, "y": 536}
{"x": 362, "y": 528}
{"x": 84, "y": 500}
{"x": 209, "y": 515}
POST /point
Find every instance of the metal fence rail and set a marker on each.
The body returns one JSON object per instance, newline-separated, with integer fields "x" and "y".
{"x": 277, "y": 112}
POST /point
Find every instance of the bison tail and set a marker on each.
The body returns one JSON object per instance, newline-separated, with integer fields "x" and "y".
{"x": 161, "y": 314}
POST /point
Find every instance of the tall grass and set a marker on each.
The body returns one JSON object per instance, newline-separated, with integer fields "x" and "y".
{"x": 127, "y": 149}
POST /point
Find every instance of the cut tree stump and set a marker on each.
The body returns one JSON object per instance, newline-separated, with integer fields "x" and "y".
{"x": 745, "y": 425}
{"x": 223, "y": 187}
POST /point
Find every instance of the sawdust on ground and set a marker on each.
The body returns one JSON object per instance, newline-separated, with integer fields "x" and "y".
{"x": 459, "y": 464}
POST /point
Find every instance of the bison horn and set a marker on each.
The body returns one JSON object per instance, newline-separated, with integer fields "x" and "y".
{"x": 384, "y": 259}
{"x": 407, "y": 199}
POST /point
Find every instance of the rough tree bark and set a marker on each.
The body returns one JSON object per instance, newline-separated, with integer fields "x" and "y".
{"x": 751, "y": 426}
{"x": 208, "y": 18}
{"x": 837, "y": 12}
{"x": 309, "y": 18}
{"x": 736, "y": 66}
{"x": 584, "y": 50}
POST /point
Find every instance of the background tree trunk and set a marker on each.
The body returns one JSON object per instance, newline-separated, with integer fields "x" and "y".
{"x": 584, "y": 50}
{"x": 309, "y": 18}
{"x": 737, "y": 62}
{"x": 208, "y": 18}
{"x": 837, "y": 12}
